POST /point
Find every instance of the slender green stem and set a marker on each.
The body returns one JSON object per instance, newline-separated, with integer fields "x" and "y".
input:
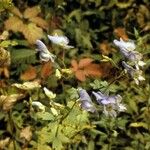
{"x": 118, "y": 77}
{"x": 11, "y": 123}
{"x": 63, "y": 118}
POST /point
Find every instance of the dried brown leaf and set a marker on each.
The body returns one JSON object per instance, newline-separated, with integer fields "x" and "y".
{"x": 80, "y": 75}
{"x": 93, "y": 70}
{"x": 46, "y": 70}
{"x": 85, "y": 62}
{"x": 74, "y": 65}
{"x": 104, "y": 48}
{"x": 29, "y": 74}
{"x": 121, "y": 33}
{"x": 32, "y": 12}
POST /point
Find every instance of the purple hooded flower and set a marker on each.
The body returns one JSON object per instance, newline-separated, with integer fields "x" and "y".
{"x": 105, "y": 99}
{"x": 126, "y": 45}
{"x": 44, "y": 53}
{"x": 134, "y": 73}
{"x": 60, "y": 40}
{"x": 111, "y": 104}
{"x": 128, "y": 50}
{"x": 86, "y": 102}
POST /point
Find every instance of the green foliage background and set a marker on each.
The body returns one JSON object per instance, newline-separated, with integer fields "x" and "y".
{"x": 63, "y": 125}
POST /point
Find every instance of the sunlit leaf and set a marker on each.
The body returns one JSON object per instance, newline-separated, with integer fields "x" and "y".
{"x": 39, "y": 22}
{"x": 16, "y": 12}
{"x": 32, "y": 32}
{"x": 14, "y": 24}
{"x": 139, "y": 124}
{"x": 4, "y": 142}
{"x": 7, "y": 102}
{"x": 32, "y": 12}
{"x": 123, "y": 4}
{"x": 26, "y": 133}
{"x": 28, "y": 85}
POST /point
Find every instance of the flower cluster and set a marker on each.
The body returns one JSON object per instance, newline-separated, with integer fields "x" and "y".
{"x": 62, "y": 41}
{"x": 127, "y": 48}
{"x": 86, "y": 102}
{"x": 111, "y": 104}
{"x": 45, "y": 54}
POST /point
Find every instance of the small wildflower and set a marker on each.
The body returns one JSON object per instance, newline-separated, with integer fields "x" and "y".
{"x": 128, "y": 50}
{"x": 111, "y": 104}
{"x": 58, "y": 74}
{"x": 105, "y": 99}
{"x": 29, "y": 85}
{"x": 121, "y": 107}
{"x": 128, "y": 46}
{"x": 67, "y": 71}
{"x": 86, "y": 102}
{"x": 45, "y": 55}
{"x": 108, "y": 110}
{"x": 60, "y": 40}
{"x": 49, "y": 93}
{"x": 136, "y": 74}
{"x": 39, "y": 105}
{"x": 54, "y": 111}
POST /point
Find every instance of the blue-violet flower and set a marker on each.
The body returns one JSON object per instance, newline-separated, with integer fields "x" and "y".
{"x": 86, "y": 102}
{"x": 45, "y": 54}
{"x": 60, "y": 40}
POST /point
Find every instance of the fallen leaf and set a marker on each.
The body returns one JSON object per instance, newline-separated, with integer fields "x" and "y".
{"x": 29, "y": 74}
{"x": 121, "y": 33}
{"x": 84, "y": 62}
{"x": 85, "y": 68}
{"x": 104, "y": 48}
{"x": 74, "y": 65}
{"x": 46, "y": 70}
{"x": 80, "y": 75}
{"x": 93, "y": 70}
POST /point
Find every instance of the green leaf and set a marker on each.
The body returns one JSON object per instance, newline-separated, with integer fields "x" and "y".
{"x": 57, "y": 144}
{"x": 139, "y": 124}
{"x": 23, "y": 55}
{"x": 7, "y": 43}
{"x": 73, "y": 93}
{"x": 98, "y": 84}
{"x": 45, "y": 116}
{"x": 91, "y": 145}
